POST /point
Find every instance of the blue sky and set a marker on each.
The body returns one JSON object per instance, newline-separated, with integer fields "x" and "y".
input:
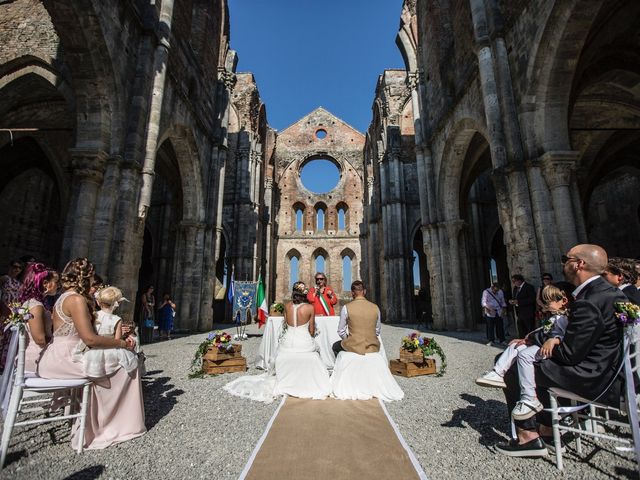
{"x": 308, "y": 54}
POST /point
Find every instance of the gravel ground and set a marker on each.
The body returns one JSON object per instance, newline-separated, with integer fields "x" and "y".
{"x": 196, "y": 430}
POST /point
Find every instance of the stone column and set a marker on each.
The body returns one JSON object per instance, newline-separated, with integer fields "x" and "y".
{"x": 125, "y": 257}
{"x": 557, "y": 168}
{"x": 189, "y": 274}
{"x": 88, "y": 172}
{"x": 268, "y": 220}
{"x": 543, "y": 219}
{"x": 578, "y": 212}
{"x": 433, "y": 250}
{"x": 104, "y": 224}
{"x": 453, "y": 307}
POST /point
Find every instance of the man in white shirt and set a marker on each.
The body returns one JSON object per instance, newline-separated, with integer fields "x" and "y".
{"x": 493, "y": 306}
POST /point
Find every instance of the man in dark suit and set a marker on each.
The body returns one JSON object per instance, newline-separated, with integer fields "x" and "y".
{"x": 586, "y": 360}
{"x": 523, "y": 301}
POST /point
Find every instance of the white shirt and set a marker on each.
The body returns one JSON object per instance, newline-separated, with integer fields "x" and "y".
{"x": 342, "y": 325}
{"x": 493, "y": 301}
{"x": 580, "y": 287}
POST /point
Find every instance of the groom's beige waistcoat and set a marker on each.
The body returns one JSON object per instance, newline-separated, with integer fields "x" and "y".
{"x": 362, "y": 319}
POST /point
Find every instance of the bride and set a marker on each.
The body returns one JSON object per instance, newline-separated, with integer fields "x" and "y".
{"x": 299, "y": 372}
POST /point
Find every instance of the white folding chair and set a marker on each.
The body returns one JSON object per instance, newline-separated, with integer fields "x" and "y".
{"x": 14, "y": 391}
{"x": 629, "y": 407}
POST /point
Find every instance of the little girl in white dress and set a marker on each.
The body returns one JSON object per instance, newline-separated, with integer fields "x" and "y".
{"x": 100, "y": 362}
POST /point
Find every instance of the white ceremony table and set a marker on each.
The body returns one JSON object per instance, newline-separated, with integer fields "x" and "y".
{"x": 327, "y": 336}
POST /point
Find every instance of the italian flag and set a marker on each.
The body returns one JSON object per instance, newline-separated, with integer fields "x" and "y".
{"x": 261, "y": 301}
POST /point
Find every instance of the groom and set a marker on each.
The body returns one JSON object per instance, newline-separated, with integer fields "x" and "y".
{"x": 363, "y": 321}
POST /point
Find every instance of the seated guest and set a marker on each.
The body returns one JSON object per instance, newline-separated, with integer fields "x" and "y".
{"x": 525, "y": 352}
{"x": 361, "y": 371}
{"x": 116, "y": 409}
{"x": 586, "y": 359}
{"x": 39, "y": 282}
{"x": 621, "y": 273}
{"x": 359, "y": 325}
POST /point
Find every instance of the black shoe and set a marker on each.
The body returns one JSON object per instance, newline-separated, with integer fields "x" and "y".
{"x": 551, "y": 444}
{"x": 534, "y": 448}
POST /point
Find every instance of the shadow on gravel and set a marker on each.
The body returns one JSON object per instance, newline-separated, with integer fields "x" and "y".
{"x": 88, "y": 473}
{"x": 159, "y": 397}
{"x": 14, "y": 456}
{"x": 480, "y": 415}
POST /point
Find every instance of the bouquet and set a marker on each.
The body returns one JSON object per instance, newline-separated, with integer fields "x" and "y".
{"x": 19, "y": 315}
{"x": 429, "y": 347}
{"x": 220, "y": 340}
{"x": 277, "y": 307}
{"x": 627, "y": 313}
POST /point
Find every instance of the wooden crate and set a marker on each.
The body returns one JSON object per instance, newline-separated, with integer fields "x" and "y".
{"x": 411, "y": 357}
{"x": 215, "y": 367}
{"x": 410, "y": 369}
{"x": 214, "y": 354}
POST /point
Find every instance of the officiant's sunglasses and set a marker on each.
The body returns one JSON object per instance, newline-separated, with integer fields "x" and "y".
{"x": 320, "y": 278}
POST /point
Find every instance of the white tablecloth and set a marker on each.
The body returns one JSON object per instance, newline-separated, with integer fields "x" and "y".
{"x": 327, "y": 328}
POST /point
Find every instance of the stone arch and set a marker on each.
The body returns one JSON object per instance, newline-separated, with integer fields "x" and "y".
{"x": 187, "y": 156}
{"x": 85, "y": 51}
{"x": 552, "y": 69}
{"x": 347, "y": 276}
{"x": 291, "y": 254}
{"x": 342, "y": 206}
{"x": 452, "y": 163}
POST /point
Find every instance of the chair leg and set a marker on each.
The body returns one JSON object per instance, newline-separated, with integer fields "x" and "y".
{"x": 12, "y": 413}
{"x": 576, "y": 422}
{"x": 555, "y": 425}
{"x": 83, "y": 416}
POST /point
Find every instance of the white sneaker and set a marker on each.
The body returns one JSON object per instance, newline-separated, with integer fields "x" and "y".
{"x": 526, "y": 409}
{"x": 491, "y": 379}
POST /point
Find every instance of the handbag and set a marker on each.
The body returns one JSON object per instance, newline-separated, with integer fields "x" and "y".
{"x": 149, "y": 323}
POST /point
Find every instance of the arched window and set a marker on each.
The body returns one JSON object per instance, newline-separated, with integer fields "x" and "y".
{"x": 342, "y": 215}
{"x": 293, "y": 271}
{"x": 320, "y": 219}
{"x": 298, "y": 217}
{"x": 320, "y": 263}
{"x": 299, "y": 221}
{"x": 416, "y": 270}
{"x": 346, "y": 273}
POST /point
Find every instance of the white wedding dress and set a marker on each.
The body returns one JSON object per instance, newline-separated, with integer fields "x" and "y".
{"x": 299, "y": 371}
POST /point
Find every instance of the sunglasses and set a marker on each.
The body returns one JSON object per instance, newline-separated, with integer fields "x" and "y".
{"x": 320, "y": 278}
{"x": 547, "y": 278}
{"x": 564, "y": 259}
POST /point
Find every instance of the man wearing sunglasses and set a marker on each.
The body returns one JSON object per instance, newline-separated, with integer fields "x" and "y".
{"x": 322, "y": 297}
{"x": 585, "y": 361}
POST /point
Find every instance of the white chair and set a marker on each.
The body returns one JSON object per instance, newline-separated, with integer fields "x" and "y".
{"x": 629, "y": 408}
{"x": 14, "y": 391}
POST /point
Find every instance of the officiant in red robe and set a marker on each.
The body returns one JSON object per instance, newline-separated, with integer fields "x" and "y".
{"x": 322, "y": 297}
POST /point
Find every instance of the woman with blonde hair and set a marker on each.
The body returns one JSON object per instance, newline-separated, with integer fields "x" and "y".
{"x": 116, "y": 409}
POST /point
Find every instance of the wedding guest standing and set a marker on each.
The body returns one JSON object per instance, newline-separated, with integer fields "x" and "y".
{"x": 116, "y": 409}
{"x": 523, "y": 301}
{"x": 148, "y": 303}
{"x": 493, "y": 308}
{"x": 166, "y": 314}
{"x": 322, "y": 297}
{"x": 39, "y": 282}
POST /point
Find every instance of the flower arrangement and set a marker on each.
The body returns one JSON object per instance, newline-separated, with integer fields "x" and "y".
{"x": 429, "y": 347}
{"x": 220, "y": 340}
{"x": 277, "y": 308}
{"x": 627, "y": 313}
{"x": 19, "y": 315}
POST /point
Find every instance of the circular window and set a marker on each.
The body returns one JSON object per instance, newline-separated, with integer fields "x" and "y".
{"x": 321, "y": 133}
{"x": 320, "y": 176}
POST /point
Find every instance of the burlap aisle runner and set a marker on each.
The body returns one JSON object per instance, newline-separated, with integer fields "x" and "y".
{"x": 331, "y": 439}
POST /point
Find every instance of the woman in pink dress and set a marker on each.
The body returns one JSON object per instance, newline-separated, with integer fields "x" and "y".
{"x": 39, "y": 282}
{"x": 116, "y": 409}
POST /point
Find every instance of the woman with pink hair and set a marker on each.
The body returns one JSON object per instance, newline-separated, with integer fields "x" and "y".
{"x": 39, "y": 282}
